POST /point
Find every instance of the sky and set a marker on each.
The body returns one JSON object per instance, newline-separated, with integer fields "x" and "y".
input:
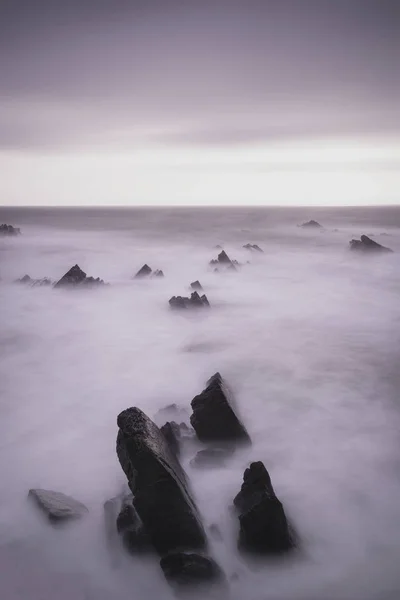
{"x": 199, "y": 102}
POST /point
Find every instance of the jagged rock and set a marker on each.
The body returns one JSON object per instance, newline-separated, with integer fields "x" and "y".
{"x": 172, "y": 433}
{"x": 311, "y": 223}
{"x": 190, "y": 569}
{"x": 223, "y": 260}
{"x": 211, "y": 457}
{"x": 213, "y": 416}
{"x": 365, "y": 244}
{"x": 263, "y": 525}
{"x": 9, "y": 230}
{"x": 145, "y": 271}
{"x": 57, "y": 506}
{"x": 195, "y": 301}
{"x": 157, "y": 273}
{"x": 34, "y": 282}
{"x": 253, "y": 247}
{"x": 159, "y": 485}
{"x": 76, "y": 277}
{"x": 196, "y": 285}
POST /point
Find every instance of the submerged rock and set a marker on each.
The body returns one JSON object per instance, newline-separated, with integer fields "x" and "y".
{"x": 223, "y": 258}
{"x": 213, "y": 417}
{"x": 161, "y": 494}
{"x": 195, "y": 301}
{"x": 57, "y": 506}
{"x": 211, "y": 457}
{"x": 34, "y": 282}
{"x": 76, "y": 277}
{"x": 196, "y": 285}
{"x": 145, "y": 271}
{"x": 311, "y": 223}
{"x": 263, "y": 525}
{"x": 9, "y": 230}
{"x": 189, "y": 569}
{"x": 253, "y": 247}
{"x": 157, "y": 273}
{"x": 365, "y": 244}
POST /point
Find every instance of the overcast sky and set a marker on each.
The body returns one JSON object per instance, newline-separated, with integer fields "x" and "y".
{"x": 193, "y": 91}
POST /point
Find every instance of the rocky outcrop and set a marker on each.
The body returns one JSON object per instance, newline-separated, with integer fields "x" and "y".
{"x": 223, "y": 260}
{"x": 34, "y": 282}
{"x": 57, "y": 506}
{"x": 184, "y": 569}
{"x": 253, "y": 247}
{"x": 213, "y": 417}
{"x": 195, "y": 301}
{"x": 75, "y": 277}
{"x": 365, "y": 244}
{"x": 157, "y": 273}
{"x": 9, "y": 230}
{"x": 196, "y": 285}
{"x": 146, "y": 271}
{"x": 311, "y": 223}
{"x": 263, "y": 525}
{"x": 161, "y": 494}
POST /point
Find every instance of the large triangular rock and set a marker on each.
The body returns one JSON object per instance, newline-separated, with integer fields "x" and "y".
{"x": 145, "y": 271}
{"x": 76, "y": 277}
{"x": 214, "y": 418}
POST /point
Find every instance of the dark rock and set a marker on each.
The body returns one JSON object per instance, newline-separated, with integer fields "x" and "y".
{"x": 196, "y": 285}
{"x": 214, "y": 261}
{"x": 195, "y": 301}
{"x": 124, "y": 524}
{"x": 188, "y": 569}
{"x": 213, "y": 416}
{"x": 263, "y": 525}
{"x": 145, "y": 271}
{"x": 158, "y": 273}
{"x": 57, "y": 506}
{"x": 365, "y": 244}
{"x": 9, "y": 230}
{"x": 172, "y": 433}
{"x": 76, "y": 277}
{"x": 311, "y": 223}
{"x": 253, "y": 247}
{"x": 211, "y": 457}
{"x": 223, "y": 258}
{"x": 158, "y": 482}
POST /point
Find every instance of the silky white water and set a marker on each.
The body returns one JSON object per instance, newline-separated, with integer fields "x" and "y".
{"x": 307, "y": 336}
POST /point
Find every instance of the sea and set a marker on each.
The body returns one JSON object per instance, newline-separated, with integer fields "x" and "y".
{"x": 306, "y": 334}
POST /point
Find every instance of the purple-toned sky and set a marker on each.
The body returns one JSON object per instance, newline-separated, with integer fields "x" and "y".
{"x": 181, "y": 85}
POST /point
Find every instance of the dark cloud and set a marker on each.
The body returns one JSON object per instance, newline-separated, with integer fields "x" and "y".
{"x": 85, "y": 72}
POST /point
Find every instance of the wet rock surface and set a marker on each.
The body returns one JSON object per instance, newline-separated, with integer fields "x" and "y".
{"x": 75, "y": 277}
{"x": 57, "y": 506}
{"x": 213, "y": 417}
{"x": 195, "y": 301}
{"x": 223, "y": 260}
{"x": 365, "y": 244}
{"x": 189, "y": 569}
{"x": 161, "y": 494}
{"x": 7, "y": 230}
{"x": 263, "y": 525}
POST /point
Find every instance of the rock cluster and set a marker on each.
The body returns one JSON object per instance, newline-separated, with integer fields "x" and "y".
{"x": 195, "y": 301}
{"x": 75, "y": 277}
{"x": 9, "y": 230}
{"x": 146, "y": 271}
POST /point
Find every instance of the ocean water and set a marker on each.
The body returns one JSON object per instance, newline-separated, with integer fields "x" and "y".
{"x": 308, "y": 337}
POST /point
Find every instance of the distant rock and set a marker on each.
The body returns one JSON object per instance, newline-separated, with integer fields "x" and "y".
{"x": 9, "y": 230}
{"x": 157, "y": 273}
{"x": 223, "y": 260}
{"x": 263, "y": 525}
{"x": 211, "y": 457}
{"x": 186, "y": 569}
{"x": 75, "y": 277}
{"x": 196, "y": 285}
{"x": 145, "y": 271}
{"x": 213, "y": 417}
{"x": 159, "y": 485}
{"x": 311, "y": 223}
{"x": 365, "y": 244}
{"x": 195, "y": 301}
{"x": 172, "y": 412}
{"x": 57, "y": 506}
{"x": 253, "y": 247}
{"x": 34, "y": 282}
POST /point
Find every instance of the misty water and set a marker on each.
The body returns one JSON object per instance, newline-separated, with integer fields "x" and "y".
{"x": 307, "y": 336}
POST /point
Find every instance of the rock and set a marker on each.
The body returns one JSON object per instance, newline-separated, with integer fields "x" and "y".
{"x": 196, "y": 285}
{"x": 171, "y": 412}
{"x": 57, "y": 506}
{"x": 311, "y": 223}
{"x": 365, "y": 244}
{"x": 161, "y": 494}
{"x": 158, "y": 273}
{"x": 34, "y": 282}
{"x": 224, "y": 261}
{"x": 253, "y": 247}
{"x": 124, "y": 524}
{"x": 213, "y": 416}
{"x": 188, "y": 569}
{"x": 223, "y": 258}
{"x": 145, "y": 271}
{"x": 211, "y": 457}
{"x": 195, "y": 301}
{"x": 76, "y": 277}
{"x": 9, "y": 230}
{"x": 172, "y": 433}
{"x": 263, "y": 525}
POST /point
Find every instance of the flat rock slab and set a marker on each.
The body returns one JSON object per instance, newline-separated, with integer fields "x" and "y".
{"x": 161, "y": 493}
{"x": 213, "y": 417}
{"x": 58, "y": 506}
